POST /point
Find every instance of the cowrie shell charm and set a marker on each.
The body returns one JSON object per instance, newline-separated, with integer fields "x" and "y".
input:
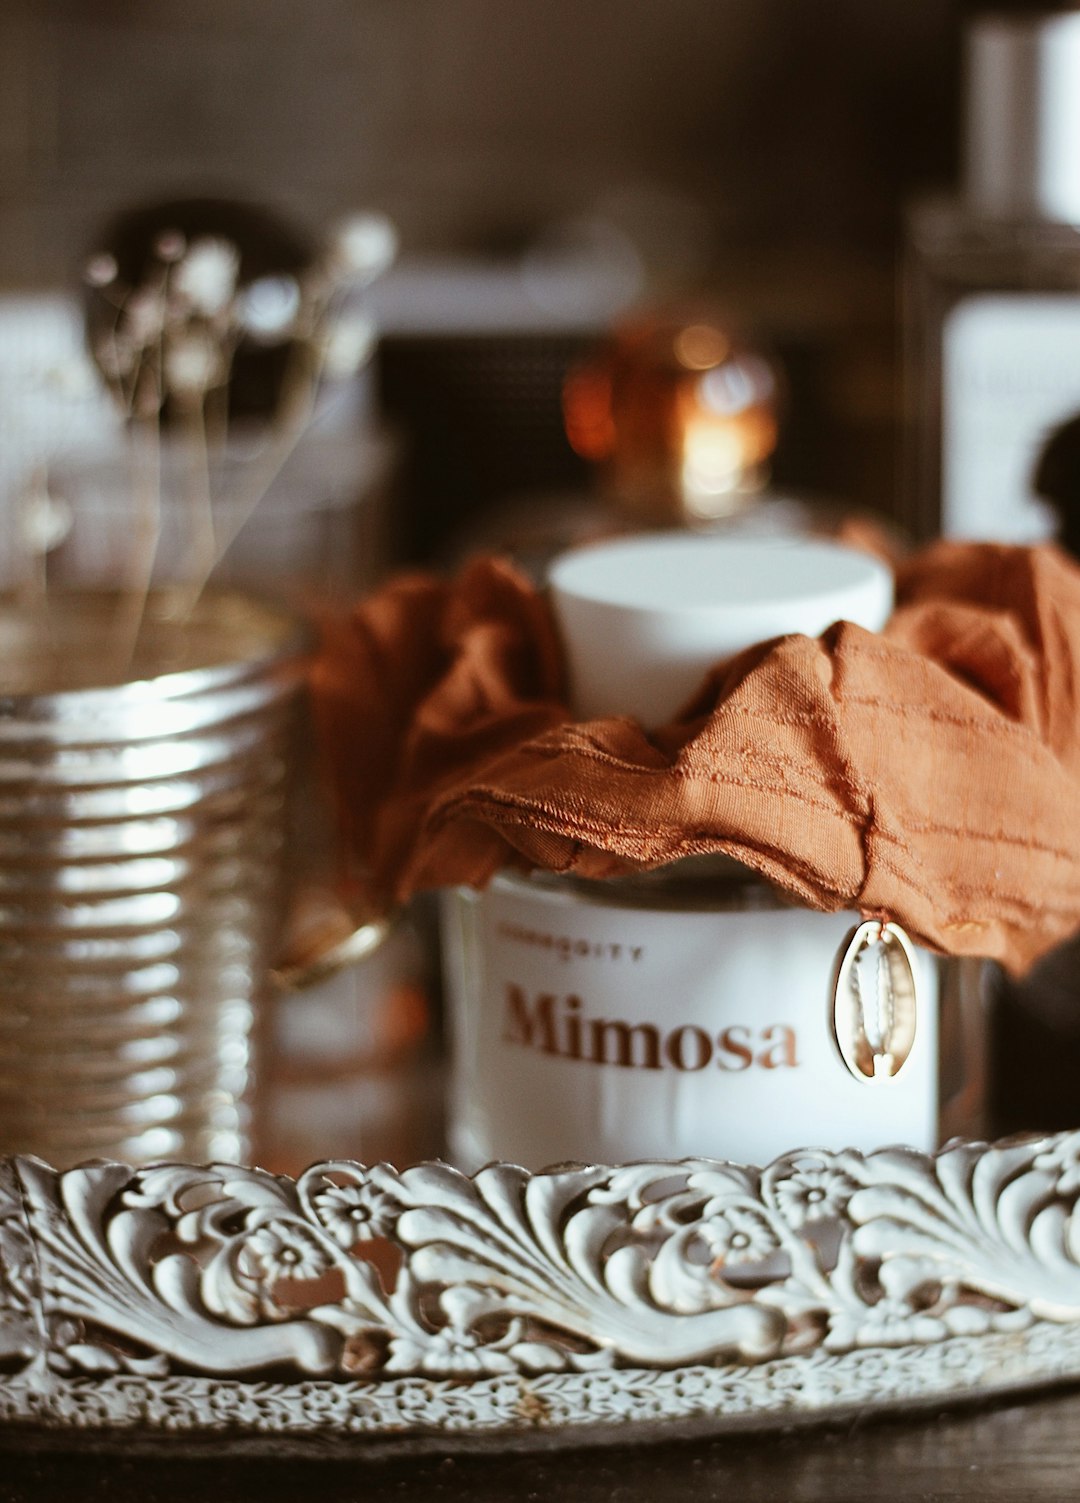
{"x": 875, "y": 1001}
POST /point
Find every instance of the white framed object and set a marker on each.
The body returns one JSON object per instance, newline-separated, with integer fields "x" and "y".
{"x": 394, "y": 1306}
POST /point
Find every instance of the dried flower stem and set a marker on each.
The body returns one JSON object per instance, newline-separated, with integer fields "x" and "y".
{"x": 146, "y": 468}
{"x": 203, "y": 543}
{"x": 34, "y": 581}
{"x": 299, "y": 390}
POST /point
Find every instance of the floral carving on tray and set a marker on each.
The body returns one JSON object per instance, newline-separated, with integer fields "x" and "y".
{"x": 353, "y": 1272}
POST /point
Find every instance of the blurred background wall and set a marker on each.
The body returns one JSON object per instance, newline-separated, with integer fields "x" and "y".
{"x": 758, "y": 149}
{"x": 471, "y": 121}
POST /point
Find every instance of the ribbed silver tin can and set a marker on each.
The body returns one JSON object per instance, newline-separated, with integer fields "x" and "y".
{"x": 143, "y": 804}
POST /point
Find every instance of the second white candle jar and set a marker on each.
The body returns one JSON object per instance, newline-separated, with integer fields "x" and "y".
{"x": 697, "y": 1010}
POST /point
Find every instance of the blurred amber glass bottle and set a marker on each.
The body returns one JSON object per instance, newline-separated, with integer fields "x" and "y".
{"x": 679, "y": 415}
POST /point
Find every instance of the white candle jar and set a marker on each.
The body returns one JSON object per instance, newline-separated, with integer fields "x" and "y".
{"x": 696, "y": 1010}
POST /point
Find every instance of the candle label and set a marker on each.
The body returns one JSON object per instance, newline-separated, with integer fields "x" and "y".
{"x": 559, "y": 1026}
{"x": 587, "y": 1029}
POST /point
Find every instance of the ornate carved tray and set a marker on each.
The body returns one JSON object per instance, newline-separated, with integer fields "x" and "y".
{"x": 391, "y": 1305}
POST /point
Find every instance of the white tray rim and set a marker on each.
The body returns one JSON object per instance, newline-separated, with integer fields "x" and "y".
{"x": 575, "y": 1302}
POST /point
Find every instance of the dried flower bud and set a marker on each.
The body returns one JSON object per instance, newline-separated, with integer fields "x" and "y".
{"x": 193, "y": 364}
{"x": 269, "y": 307}
{"x": 349, "y": 342}
{"x": 170, "y": 245}
{"x": 44, "y": 520}
{"x": 101, "y": 270}
{"x": 206, "y": 275}
{"x": 144, "y": 317}
{"x": 364, "y": 246}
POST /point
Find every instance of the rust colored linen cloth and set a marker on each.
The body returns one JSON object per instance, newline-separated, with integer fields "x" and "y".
{"x": 930, "y": 774}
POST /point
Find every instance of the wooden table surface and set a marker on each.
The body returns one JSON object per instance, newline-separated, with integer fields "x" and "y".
{"x": 1007, "y": 1451}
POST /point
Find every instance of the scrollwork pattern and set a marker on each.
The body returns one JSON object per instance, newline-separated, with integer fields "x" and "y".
{"x": 352, "y": 1273}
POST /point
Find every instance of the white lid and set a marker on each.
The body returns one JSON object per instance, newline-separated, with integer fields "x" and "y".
{"x": 644, "y": 618}
{"x": 1023, "y": 116}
